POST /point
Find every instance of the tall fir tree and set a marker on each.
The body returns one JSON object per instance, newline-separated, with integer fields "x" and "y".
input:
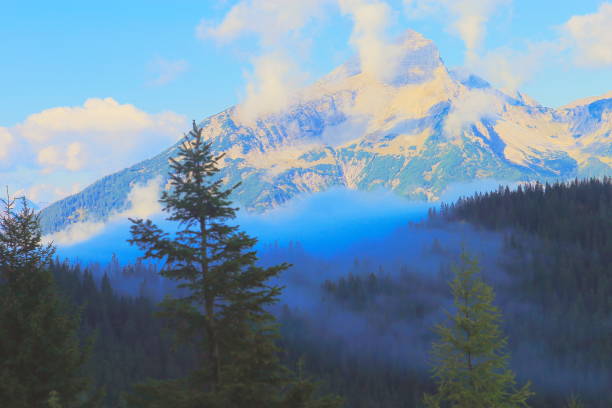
{"x": 470, "y": 364}
{"x": 225, "y": 306}
{"x": 40, "y": 355}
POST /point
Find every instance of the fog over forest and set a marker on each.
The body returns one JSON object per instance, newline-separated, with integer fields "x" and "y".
{"x": 370, "y": 280}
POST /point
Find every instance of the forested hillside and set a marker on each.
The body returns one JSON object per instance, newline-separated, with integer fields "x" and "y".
{"x": 553, "y": 276}
{"x": 558, "y": 253}
{"x": 577, "y": 212}
{"x": 362, "y": 322}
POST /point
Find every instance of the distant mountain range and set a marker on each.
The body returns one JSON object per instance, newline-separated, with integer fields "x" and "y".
{"x": 414, "y": 133}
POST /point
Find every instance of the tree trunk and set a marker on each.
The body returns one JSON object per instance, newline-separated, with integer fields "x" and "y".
{"x": 209, "y": 305}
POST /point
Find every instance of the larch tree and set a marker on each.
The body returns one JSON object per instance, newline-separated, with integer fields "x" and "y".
{"x": 40, "y": 353}
{"x": 470, "y": 363}
{"x": 224, "y": 309}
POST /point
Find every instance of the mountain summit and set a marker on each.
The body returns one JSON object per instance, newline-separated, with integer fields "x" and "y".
{"x": 406, "y": 124}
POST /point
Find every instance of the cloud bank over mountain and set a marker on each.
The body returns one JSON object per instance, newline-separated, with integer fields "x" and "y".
{"x": 142, "y": 202}
{"x": 590, "y": 37}
{"x": 91, "y": 140}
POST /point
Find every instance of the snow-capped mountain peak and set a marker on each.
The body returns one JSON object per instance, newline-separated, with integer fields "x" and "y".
{"x": 412, "y": 127}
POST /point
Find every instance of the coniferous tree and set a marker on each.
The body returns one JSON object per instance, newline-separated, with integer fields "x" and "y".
{"x": 224, "y": 309}
{"x": 40, "y": 356}
{"x": 470, "y": 361}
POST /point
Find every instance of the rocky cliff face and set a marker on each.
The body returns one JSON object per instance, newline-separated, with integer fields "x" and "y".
{"x": 414, "y": 131}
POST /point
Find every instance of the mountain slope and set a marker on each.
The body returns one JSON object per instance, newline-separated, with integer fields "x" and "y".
{"x": 415, "y": 131}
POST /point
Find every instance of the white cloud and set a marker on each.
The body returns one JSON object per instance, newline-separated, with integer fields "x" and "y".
{"x": 72, "y": 157}
{"x": 166, "y": 70}
{"x": 7, "y": 142}
{"x": 509, "y": 69}
{"x": 75, "y": 233}
{"x": 468, "y": 108}
{"x": 142, "y": 203}
{"x": 278, "y": 28}
{"x": 272, "y": 86}
{"x": 101, "y": 136}
{"x": 378, "y": 56}
{"x": 100, "y": 116}
{"x": 272, "y": 21}
{"x": 63, "y": 145}
{"x": 587, "y": 37}
{"x": 590, "y": 37}
{"x": 351, "y": 129}
{"x": 143, "y": 200}
{"x": 468, "y": 17}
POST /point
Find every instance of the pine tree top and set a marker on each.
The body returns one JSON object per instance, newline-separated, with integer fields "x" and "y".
{"x": 21, "y": 239}
{"x": 470, "y": 361}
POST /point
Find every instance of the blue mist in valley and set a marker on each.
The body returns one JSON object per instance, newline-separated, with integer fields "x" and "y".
{"x": 324, "y": 223}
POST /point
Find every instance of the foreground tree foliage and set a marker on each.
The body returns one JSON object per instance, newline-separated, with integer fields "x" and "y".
{"x": 226, "y": 296}
{"x": 470, "y": 362}
{"x": 40, "y": 356}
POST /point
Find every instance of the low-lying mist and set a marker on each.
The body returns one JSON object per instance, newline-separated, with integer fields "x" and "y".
{"x": 324, "y": 222}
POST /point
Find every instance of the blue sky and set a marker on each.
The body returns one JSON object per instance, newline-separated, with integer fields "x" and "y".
{"x": 161, "y": 63}
{"x": 63, "y": 52}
